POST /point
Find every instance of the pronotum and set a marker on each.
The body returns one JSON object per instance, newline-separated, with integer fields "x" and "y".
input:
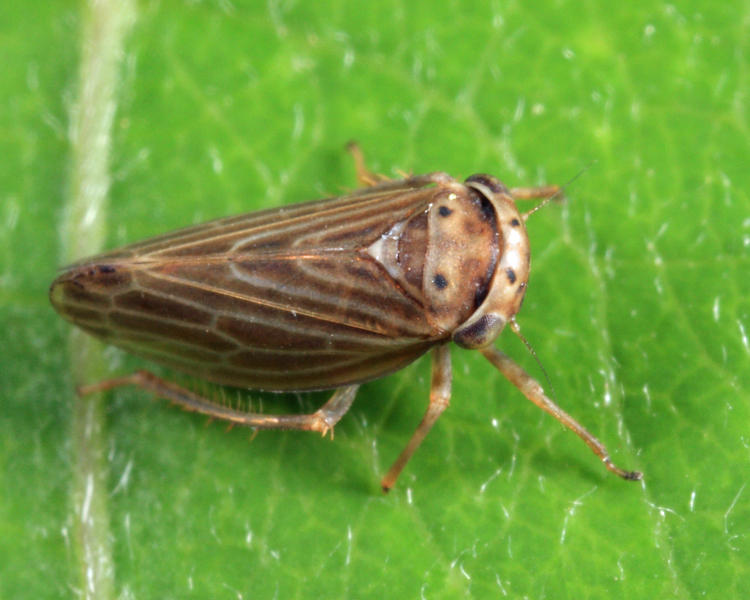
{"x": 322, "y": 295}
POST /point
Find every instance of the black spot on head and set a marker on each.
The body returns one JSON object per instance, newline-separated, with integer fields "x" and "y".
{"x": 511, "y": 275}
{"x": 440, "y": 282}
{"x": 106, "y": 269}
{"x": 444, "y": 211}
{"x": 515, "y": 222}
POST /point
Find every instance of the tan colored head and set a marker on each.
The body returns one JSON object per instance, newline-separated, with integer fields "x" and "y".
{"x": 508, "y": 285}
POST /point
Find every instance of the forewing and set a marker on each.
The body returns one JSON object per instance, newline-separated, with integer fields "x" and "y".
{"x": 281, "y": 299}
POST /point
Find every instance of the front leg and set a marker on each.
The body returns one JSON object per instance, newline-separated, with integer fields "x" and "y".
{"x": 530, "y": 388}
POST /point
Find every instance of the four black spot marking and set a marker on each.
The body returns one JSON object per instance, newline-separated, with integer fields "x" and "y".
{"x": 441, "y": 282}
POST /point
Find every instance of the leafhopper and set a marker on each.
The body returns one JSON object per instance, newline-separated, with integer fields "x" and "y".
{"x": 322, "y": 295}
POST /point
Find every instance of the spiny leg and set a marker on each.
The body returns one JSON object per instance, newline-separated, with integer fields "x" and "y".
{"x": 322, "y": 420}
{"x": 533, "y": 391}
{"x": 440, "y": 395}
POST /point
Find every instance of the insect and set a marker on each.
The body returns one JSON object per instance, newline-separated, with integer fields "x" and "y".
{"x": 322, "y": 295}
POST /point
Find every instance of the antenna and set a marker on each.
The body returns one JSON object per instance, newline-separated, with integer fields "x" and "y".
{"x": 516, "y": 328}
{"x": 549, "y": 192}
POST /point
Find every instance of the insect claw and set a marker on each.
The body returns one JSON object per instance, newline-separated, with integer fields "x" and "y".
{"x": 324, "y": 428}
{"x": 627, "y": 475}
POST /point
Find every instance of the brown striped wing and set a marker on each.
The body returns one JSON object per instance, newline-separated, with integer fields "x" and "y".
{"x": 284, "y": 299}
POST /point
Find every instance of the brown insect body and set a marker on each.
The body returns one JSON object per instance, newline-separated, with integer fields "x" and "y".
{"x": 313, "y": 296}
{"x": 326, "y": 294}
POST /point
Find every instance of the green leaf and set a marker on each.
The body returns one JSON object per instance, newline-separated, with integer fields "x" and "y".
{"x": 637, "y": 304}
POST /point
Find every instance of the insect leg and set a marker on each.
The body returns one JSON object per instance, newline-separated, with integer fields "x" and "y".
{"x": 376, "y": 181}
{"x": 440, "y": 395}
{"x": 322, "y": 420}
{"x": 364, "y": 175}
{"x": 533, "y": 391}
{"x": 546, "y": 192}
{"x": 530, "y": 193}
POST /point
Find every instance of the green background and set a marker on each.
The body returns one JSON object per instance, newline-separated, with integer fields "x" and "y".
{"x": 638, "y": 303}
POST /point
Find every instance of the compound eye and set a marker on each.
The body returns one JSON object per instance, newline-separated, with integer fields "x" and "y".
{"x": 479, "y": 332}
